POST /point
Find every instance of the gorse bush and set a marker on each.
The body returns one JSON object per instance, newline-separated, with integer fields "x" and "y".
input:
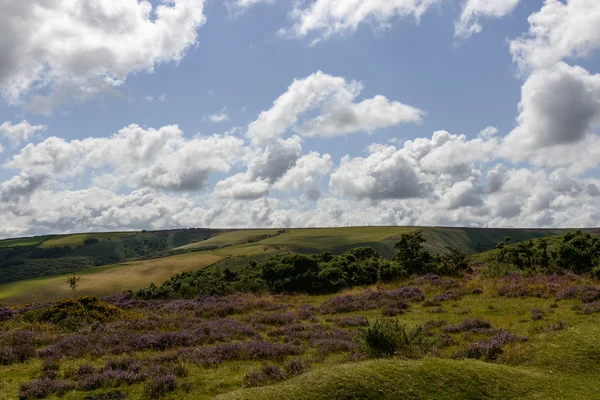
{"x": 72, "y": 313}
{"x": 388, "y": 338}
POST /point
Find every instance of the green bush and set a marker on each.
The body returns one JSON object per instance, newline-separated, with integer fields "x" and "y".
{"x": 72, "y": 313}
{"x": 596, "y": 273}
{"x": 388, "y": 338}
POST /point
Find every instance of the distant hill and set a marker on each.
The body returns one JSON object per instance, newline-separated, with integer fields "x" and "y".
{"x": 51, "y": 255}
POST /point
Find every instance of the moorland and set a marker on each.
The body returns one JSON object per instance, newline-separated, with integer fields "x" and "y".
{"x": 339, "y": 313}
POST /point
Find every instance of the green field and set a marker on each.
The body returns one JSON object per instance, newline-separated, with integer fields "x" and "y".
{"x": 78, "y": 239}
{"x": 19, "y": 242}
{"x": 231, "y": 238}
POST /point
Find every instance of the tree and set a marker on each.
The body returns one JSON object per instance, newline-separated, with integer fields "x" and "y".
{"x": 412, "y": 256}
{"x": 73, "y": 282}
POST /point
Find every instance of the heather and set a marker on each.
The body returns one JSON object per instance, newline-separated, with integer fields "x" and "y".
{"x": 212, "y": 344}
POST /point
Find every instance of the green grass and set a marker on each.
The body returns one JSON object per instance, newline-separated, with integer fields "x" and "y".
{"x": 30, "y": 241}
{"x": 106, "y": 280}
{"x": 550, "y": 365}
{"x": 78, "y": 239}
{"x": 424, "y": 379}
{"x": 331, "y": 238}
{"x": 231, "y": 238}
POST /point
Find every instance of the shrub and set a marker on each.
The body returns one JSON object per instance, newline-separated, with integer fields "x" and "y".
{"x": 596, "y": 273}
{"x": 537, "y": 314}
{"x": 295, "y": 366}
{"x": 468, "y": 325}
{"x": 267, "y": 375}
{"x": 5, "y": 313}
{"x": 351, "y": 320}
{"x": 159, "y": 386}
{"x": 72, "y": 313}
{"x": 44, "y": 387}
{"x": 386, "y": 338}
{"x": 490, "y": 349}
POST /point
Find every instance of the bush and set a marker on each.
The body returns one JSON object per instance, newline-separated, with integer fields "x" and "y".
{"x": 387, "y": 337}
{"x": 160, "y": 386}
{"x": 267, "y": 375}
{"x": 596, "y": 273}
{"x": 41, "y": 388}
{"x": 72, "y": 313}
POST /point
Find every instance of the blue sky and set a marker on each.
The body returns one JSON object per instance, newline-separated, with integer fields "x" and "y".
{"x": 464, "y": 66}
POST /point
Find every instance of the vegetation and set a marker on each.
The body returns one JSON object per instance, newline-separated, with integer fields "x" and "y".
{"x": 313, "y": 274}
{"x": 358, "y": 324}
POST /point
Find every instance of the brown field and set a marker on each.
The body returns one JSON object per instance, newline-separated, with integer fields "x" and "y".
{"x": 107, "y": 280}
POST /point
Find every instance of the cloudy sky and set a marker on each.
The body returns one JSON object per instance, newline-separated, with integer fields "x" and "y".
{"x": 135, "y": 114}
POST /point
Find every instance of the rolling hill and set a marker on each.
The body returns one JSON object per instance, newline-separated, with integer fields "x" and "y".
{"x": 38, "y": 266}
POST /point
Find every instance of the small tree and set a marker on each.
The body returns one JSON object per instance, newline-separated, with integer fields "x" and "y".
{"x": 73, "y": 282}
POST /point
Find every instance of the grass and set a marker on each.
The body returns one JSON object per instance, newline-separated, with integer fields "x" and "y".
{"x": 424, "y": 379}
{"x": 106, "y": 280}
{"x": 550, "y": 365}
{"x": 332, "y": 238}
{"x": 231, "y": 238}
{"x": 78, "y": 239}
{"x": 30, "y": 241}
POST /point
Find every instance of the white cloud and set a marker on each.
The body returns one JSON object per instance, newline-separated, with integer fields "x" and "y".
{"x": 324, "y": 18}
{"x": 488, "y": 132}
{"x": 473, "y": 10}
{"x": 79, "y": 48}
{"x": 338, "y": 114}
{"x": 559, "y": 107}
{"x": 135, "y": 157}
{"x": 305, "y": 175}
{"x": 220, "y": 116}
{"x": 561, "y": 29}
{"x": 343, "y": 117}
{"x": 21, "y": 132}
{"x": 237, "y": 7}
{"x": 384, "y": 174}
{"x": 149, "y": 99}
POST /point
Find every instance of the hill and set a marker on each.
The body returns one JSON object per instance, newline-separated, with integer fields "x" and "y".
{"x": 38, "y": 266}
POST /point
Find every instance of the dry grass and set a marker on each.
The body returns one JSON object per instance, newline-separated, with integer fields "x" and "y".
{"x": 107, "y": 280}
{"x": 231, "y": 238}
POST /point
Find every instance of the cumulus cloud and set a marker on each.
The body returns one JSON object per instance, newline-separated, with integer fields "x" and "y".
{"x": 559, "y": 30}
{"x": 305, "y": 175}
{"x": 384, "y": 174}
{"x": 338, "y": 114}
{"x": 473, "y": 10}
{"x": 559, "y": 106}
{"x": 80, "y": 47}
{"x": 135, "y": 157}
{"x": 488, "y": 132}
{"x": 343, "y": 117}
{"x": 324, "y": 18}
{"x": 21, "y": 132}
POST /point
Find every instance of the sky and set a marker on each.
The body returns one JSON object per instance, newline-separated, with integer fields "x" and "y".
{"x": 133, "y": 114}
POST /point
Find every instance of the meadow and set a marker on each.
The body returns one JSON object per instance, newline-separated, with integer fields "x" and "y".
{"x": 107, "y": 280}
{"x": 268, "y": 346}
{"x": 521, "y": 322}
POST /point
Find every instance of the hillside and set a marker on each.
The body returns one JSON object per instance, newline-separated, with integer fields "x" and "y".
{"x": 34, "y": 269}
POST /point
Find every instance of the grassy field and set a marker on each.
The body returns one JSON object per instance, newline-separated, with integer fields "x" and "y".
{"x": 558, "y": 363}
{"x": 106, "y": 280}
{"x": 331, "y": 238}
{"x": 30, "y": 241}
{"x": 231, "y": 238}
{"x": 78, "y": 239}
